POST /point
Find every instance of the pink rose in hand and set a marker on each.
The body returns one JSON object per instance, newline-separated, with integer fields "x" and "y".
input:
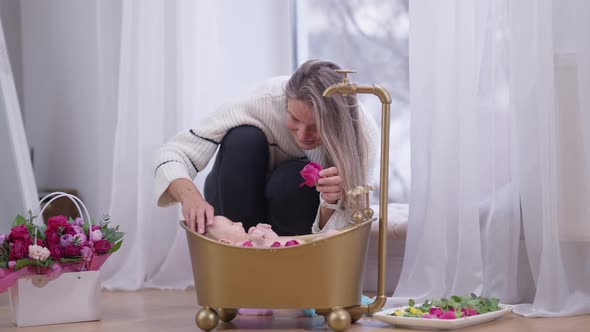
{"x": 311, "y": 174}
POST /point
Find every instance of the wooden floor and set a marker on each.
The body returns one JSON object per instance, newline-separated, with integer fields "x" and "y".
{"x": 159, "y": 311}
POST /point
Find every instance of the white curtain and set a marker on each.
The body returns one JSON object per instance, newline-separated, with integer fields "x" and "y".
{"x": 500, "y": 154}
{"x": 18, "y": 189}
{"x": 157, "y": 66}
{"x": 179, "y": 60}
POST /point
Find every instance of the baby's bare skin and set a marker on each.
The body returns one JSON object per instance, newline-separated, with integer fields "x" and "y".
{"x": 261, "y": 236}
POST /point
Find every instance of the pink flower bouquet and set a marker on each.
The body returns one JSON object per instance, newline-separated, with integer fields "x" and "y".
{"x": 64, "y": 245}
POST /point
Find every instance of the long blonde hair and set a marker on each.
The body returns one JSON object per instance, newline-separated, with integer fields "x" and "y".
{"x": 338, "y": 120}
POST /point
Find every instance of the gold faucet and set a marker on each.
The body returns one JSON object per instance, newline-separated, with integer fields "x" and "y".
{"x": 346, "y": 88}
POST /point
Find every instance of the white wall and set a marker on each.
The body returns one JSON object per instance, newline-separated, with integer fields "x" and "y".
{"x": 70, "y": 55}
{"x": 66, "y": 120}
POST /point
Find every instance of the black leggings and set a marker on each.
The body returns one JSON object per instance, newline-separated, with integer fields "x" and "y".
{"x": 238, "y": 187}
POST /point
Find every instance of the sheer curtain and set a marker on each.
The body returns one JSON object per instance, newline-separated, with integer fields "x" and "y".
{"x": 500, "y": 154}
{"x": 158, "y": 62}
{"x": 16, "y": 173}
{"x": 179, "y": 60}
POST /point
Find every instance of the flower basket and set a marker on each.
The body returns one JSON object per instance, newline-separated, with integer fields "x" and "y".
{"x": 46, "y": 269}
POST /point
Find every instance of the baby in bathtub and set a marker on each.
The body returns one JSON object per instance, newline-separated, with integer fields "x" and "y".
{"x": 260, "y": 236}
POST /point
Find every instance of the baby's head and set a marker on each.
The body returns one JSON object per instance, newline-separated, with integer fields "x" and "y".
{"x": 226, "y": 231}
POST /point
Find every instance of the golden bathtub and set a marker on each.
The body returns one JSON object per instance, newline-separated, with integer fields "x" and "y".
{"x": 325, "y": 274}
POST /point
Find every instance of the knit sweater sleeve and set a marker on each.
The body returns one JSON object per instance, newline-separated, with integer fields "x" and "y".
{"x": 190, "y": 151}
{"x": 341, "y": 218}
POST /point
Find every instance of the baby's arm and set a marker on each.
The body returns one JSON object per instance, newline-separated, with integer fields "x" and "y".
{"x": 261, "y": 225}
{"x": 258, "y": 239}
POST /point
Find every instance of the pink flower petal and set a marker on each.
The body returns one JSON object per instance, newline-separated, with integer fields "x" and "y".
{"x": 248, "y": 244}
{"x": 310, "y": 174}
{"x": 448, "y": 315}
{"x": 436, "y": 311}
{"x": 316, "y": 166}
{"x": 429, "y": 316}
{"x": 291, "y": 243}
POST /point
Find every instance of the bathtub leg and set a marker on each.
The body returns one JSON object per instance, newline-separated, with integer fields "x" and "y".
{"x": 338, "y": 320}
{"x": 206, "y": 319}
{"x": 227, "y": 315}
{"x": 324, "y": 313}
{"x": 355, "y": 316}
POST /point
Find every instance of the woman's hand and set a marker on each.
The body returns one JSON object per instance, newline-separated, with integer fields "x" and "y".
{"x": 197, "y": 213}
{"x": 329, "y": 185}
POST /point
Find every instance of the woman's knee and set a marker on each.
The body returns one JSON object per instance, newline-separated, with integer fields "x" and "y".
{"x": 245, "y": 140}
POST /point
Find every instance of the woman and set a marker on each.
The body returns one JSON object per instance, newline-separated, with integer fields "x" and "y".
{"x": 264, "y": 141}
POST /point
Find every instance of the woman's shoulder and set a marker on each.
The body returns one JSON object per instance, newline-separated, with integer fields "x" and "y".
{"x": 272, "y": 87}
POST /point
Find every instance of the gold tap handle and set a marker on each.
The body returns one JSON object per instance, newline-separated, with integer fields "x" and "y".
{"x": 345, "y": 72}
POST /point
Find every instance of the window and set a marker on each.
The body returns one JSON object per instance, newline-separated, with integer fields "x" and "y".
{"x": 371, "y": 37}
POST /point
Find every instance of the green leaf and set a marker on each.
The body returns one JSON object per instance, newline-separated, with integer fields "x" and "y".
{"x": 41, "y": 231}
{"x": 412, "y": 302}
{"x": 21, "y": 263}
{"x": 31, "y": 216}
{"x": 456, "y": 298}
{"x": 104, "y": 220}
{"x": 438, "y": 303}
{"x": 85, "y": 227}
{"x": 70, "y": 260}
{"x": 19, "y": 220}
{"x": 44, "y": 263}
{"x": 113, "y": 236}
{"x": 116, "y": 246}
{"x": 473, "y": 303}
{"x": 425, "y": 306}
{"x": 494, "y": 302}
{"x": 466, "y": 298}
{"x": 3, "y": 264}
{"x": 4, "y": 255}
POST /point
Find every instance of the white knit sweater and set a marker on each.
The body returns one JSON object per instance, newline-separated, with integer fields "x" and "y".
{"x": 190, "y": 151}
